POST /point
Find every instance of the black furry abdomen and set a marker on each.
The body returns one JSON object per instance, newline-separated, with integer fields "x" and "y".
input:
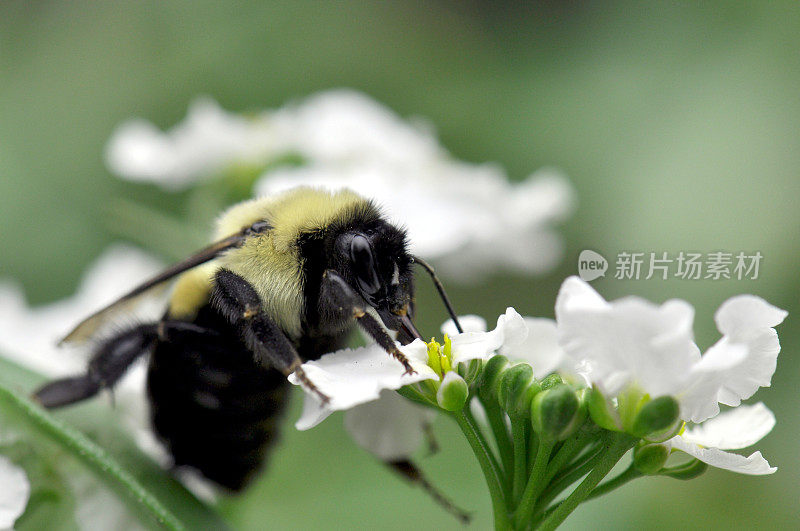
{"x": 212, "y": 405}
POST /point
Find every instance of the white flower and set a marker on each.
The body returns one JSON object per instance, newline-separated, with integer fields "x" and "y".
{"x": 209, "y": 140}
{"x": 732, "y": 430}
{"x": 539, "y": 347}
{"x": 354, "y": 376}
{"x": 632, "y": 341}
{"x": 468, "y": 218}
{"x": 15, "y": 489}
{"x": 29, "y": 336}
{"x": 354, "y": 379}
{"x": 340, "y": 126}
{"x": 390, "y": 427}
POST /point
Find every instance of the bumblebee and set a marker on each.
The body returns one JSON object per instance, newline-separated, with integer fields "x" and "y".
{"x": 285, "y": 281}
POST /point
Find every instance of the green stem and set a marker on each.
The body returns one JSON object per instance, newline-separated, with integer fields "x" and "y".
{"x": 497, "y": 423}
{"x": 489, "y": 467}
{"x": 492, "y": 457}
{"x": 535, "y": 484}
{"x": 519, "y": 432}
{"x": 94, "y": 457}
{"x": 615, "y": 448}
{"x": 567, "y": 478}
{"x": 567, "y": 452}
{"x": 630, "y": 474}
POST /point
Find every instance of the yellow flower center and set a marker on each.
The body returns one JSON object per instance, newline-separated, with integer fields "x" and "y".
{"x": 440, "y": 358}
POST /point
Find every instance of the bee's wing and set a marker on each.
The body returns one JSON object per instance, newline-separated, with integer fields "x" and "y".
{"x": 89, "y": 326}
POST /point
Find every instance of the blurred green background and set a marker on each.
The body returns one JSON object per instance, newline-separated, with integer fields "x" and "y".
{"x": 678, "y": 126}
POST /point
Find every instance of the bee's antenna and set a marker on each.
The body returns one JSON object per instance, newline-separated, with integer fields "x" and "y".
{"x": 440, "y": 288}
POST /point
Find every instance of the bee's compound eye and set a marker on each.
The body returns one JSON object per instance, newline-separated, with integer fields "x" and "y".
{"x": 259, "y": 226}
{"x": 364, "y": 264}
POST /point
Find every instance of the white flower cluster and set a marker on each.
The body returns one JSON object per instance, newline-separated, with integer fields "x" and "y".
{"x": 616, "y": 346}
{"x": 633, "y": 342}
{"x": 468, "y": 218}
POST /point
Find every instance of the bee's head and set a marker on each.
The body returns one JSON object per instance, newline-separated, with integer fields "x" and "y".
{"x": 375, "y": 262}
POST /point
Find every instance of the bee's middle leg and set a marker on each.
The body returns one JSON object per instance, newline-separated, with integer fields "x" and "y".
{"x": 239, "y": 302}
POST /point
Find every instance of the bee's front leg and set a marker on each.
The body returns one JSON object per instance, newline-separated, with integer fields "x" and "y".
{"x": 337, "y": 295}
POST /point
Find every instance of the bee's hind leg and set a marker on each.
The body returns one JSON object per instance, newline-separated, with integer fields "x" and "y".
{"x": 109, "y": 363}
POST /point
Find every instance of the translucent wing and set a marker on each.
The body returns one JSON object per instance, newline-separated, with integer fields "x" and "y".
{"x": 87, "y": 328}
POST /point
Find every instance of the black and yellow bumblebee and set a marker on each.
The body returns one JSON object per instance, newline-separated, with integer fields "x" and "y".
{"x": 286, "y": 279}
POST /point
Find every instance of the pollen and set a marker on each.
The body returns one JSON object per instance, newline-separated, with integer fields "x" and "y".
{"x": 440, "y": 357}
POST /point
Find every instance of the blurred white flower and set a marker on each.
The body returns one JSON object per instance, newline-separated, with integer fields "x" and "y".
{"x": 470, "y": 219}
{"x": 632, "y": 341}
{"x": 732, "y": 430}
{"x": 208, "y": 140}
{"x": 15, "y": 489}
{"x": 29, "y": 335}
{"x": 360, "y": 381}
{"x": 390, "y": 428}
{"x": 97, "y": 506}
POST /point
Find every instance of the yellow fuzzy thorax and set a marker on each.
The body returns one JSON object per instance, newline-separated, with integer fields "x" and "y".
{"x": 270, "y": 261}
{"x": 290, "y": 213}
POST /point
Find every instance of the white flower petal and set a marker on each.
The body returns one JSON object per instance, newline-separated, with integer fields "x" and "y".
{"x": 353, "y": 376}
{"x": 739, "y": 315}
{"x": 390, "y": 427}
{"x": 754, "y": 464}
{"x": 734, "y": 429}
{"x": 469, "y": 323}
{"x": 510, "y": 330}
{"x": 540, "y": 349}
{"x": 14, "y": 494}
{"x": 698, "y": 399}
{"x": 755, "y": 371}
{"x": 748, "y": 320}
{"x": 629, "y": 341}
{"x": 576, "y": 294}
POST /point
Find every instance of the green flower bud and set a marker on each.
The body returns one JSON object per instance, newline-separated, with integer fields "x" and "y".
{"x": 657, "y": 414}
{"x": 602, "y": 411}
{"x": 556, "y": 412}
{"x": 487, "y": 381}
{"x": 689, "y": 470}
{"x": 515, "y": 390}
{"x": 453, "y": 392}
{"x": 664, "y": 435}
{"x": 649, "y": 459}
{"x": 469, "y": 370}
{"x": 551, "y": 380}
